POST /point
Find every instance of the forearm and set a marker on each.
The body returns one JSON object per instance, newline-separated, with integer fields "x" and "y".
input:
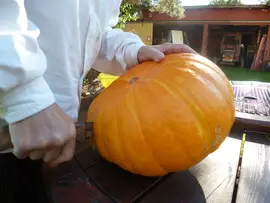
{"x": 118, "y": 52}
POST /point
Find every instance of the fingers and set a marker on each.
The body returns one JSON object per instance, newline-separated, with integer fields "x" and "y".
{"x": 51, "y": 155}
{"x": 48, "y": 135}
{"x": 54, "y": 157}
{"x": 20, "y": 154}
{"x": 36, "y": 155}
{"x": 156, "y": 53}
{"x": 65, "y": 155}
{"x": 147, "y": 53}
{"x": 56, "y": 154}
{"x": 175, "y": 48}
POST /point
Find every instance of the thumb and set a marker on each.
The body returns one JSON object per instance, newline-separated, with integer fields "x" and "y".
{"x": 147, "y": 53}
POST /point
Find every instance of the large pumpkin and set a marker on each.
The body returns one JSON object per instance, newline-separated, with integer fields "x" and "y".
{"x": 163, "y": 117}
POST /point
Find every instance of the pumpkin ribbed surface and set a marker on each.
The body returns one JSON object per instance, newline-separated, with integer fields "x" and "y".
{"x": 163, "y": 117}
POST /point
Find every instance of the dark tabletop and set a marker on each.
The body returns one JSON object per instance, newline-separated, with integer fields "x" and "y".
{"x": 217, "y": 179}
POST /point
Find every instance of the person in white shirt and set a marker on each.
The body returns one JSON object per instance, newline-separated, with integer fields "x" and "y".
{"x": 46, "y": 49}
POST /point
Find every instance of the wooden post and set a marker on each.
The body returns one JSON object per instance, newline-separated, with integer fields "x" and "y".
{"x": 266, "y": 56}
{"x": 205, "y": 40}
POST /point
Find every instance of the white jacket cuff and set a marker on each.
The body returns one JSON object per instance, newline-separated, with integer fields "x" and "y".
{"x": 26, "y": 100}
{"x": 131, "y": 54}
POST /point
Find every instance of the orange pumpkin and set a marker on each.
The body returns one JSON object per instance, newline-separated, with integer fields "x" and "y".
{"x": 163, "y": 117}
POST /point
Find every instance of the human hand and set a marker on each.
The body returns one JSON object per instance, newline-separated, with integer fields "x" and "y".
{"x": 156, "y": 53}
{"x": 49, "y": 135}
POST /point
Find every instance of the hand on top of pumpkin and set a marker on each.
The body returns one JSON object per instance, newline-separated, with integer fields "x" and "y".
{"x": 156, "y": 53}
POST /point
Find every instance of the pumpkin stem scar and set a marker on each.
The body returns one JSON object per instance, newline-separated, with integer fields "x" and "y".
{"x": 133, "y": 80}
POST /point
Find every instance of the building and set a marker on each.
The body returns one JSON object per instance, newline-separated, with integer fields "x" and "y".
{"x": 205, "y": 27}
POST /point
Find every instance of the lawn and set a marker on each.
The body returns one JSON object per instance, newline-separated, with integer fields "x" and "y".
{"x": 243, "y": 74}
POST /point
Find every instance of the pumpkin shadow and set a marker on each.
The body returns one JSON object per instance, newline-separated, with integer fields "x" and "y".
{"x": 123, "y": 186}
{"x": 176, "y": 188}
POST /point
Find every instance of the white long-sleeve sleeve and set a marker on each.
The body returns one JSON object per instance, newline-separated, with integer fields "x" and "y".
{"x": 23, "y": 90}
{"x": 119, "y": 49}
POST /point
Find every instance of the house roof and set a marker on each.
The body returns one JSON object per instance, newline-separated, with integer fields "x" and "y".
{"x": 228, "y": 7}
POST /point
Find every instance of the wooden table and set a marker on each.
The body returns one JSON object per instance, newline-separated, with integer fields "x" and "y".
{"x": 90, "y": 179}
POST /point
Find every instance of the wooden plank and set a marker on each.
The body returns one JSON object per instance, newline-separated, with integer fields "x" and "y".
{"x": 120, "y": 185}
{"x": 218, "y": 171}
{"x": 70, "y": 184}
{"x": 179, "y": 187}
{"x": 87, "y": 157}
{"x": 254, "y": 185}
{"x": 211, "y": 180}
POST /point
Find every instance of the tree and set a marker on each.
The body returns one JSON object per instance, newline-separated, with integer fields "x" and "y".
{"x": 225, "y": 2}
{"x": 130, "y": 9}
{"x": 172, "y": 8}
{"x": 265, "y": 2}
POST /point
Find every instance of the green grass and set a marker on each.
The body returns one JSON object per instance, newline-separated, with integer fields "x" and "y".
{"x": 243, "y": 74}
